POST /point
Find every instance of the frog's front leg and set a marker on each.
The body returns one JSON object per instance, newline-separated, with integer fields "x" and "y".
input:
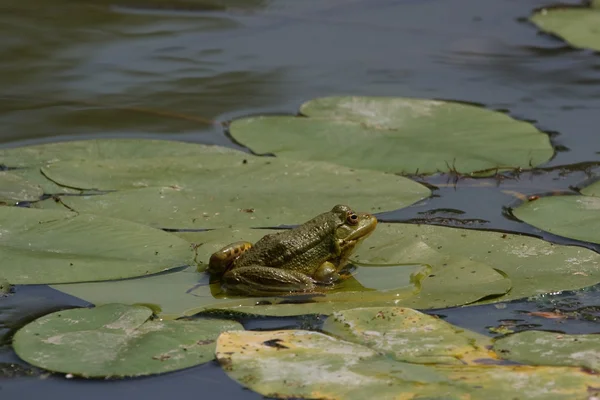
{"x": 221, "y": 260}
{"x": 256, "y": 280}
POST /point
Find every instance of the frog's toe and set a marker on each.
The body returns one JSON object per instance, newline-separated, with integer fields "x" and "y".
{"x": 265, "y": 281}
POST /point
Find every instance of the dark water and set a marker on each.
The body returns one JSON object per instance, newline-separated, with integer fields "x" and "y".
{"x": 176, "y": 69}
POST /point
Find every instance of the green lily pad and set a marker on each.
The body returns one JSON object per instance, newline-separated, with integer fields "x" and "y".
{"x": 410, "y": 336}
{"x": 173, "y": 294}
{"x": 43, "y": 246}
{"x": 399, "y": 135}
{"x": 225, "y": 190}
{"x": 533, "y": 266}
{"x": 576, "y": 217}
{"x": 104, "y": 149}
{"x": 304, "y": 364}
{"x": 116, "y": 340}
{"x": 187, "y": 292}
{"x": 460, "y": 281}
{"x": 35, "y": 177}
{"x": 550, "y": 348}
{"x": 576, "y": 25}
{"x": 13, "y": 189}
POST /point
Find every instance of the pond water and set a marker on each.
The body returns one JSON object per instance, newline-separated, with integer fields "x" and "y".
{"x": 177, "y": 69}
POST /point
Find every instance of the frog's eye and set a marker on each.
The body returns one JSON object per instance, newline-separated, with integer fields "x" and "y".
{"x": 352, "y": 218}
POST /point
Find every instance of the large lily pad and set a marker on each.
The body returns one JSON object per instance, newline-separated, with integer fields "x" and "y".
{"x": 400, "y": 135}
{"x": 576, "y": 217}
{"x": 103, "y": 149}
{"x": 448, "y": 282}
{"x": 187, "y": 292}
{"x": 227, "y": 190}
{"x": 116, "y": 340}
{"x": 43, "y": 246}
{"x": 410, "y": 336}
{"x": 13, "y": 189}
{"x": 534, "y": 266}
{"x": 303, "y": 364}
{"x": 550, "y": 348}
{"x": 576, "y": 25}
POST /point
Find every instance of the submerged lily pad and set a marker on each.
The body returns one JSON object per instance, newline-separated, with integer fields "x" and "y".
{"x": 576, "y": 25}
{"x": 104, "y": 149}
{"x": 13, "y": 189}
{"x": 399, "y": 135}
{"x": 574, "y": 216}
{"x": 43, "y": 246}
{"x": 227, "y": 190}
{"x": 550, "y": 348}
{"x": 303, "y": 364}
{"x": 116, "y": 340}
{"x": 410, "y": 336}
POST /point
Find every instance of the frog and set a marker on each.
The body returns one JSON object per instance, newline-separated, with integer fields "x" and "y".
{"x": 305, "y": 259}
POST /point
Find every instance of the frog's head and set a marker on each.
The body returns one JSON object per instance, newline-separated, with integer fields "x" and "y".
{"x": 353, "y": 227}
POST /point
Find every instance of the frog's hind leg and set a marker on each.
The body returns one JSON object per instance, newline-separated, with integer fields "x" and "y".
{"x": 256, "y": 280}
{"x": 221, "y": 260}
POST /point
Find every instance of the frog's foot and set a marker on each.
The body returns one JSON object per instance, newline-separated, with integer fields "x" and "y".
{"x": 257, "y": 280}
{"x": 221, "y": 260}
{"x": 327, "y": 274}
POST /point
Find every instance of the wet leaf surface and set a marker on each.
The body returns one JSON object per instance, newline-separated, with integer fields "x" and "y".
{"x": 116, "y": 340}
{"x": 13, "y": 189}
{"x": 410, "y": 336}
{"x": 304, "y": 364}
{"x": 551, "y": 348}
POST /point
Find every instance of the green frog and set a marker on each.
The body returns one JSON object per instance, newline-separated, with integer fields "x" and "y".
{"x": 299, "y": 260}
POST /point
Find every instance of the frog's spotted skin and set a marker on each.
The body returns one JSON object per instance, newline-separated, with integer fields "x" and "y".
{"x": 295, "y": 260}
{"x": 223, "y": 259}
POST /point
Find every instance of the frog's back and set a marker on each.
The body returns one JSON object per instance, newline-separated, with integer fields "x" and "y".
{"x": 300, "y": 249}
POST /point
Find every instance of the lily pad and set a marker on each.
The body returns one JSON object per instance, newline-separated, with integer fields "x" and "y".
{"x": 550, "y": 348}
{"x": 173, "y": 294}
{"x": 455, "y": 282}
{"x": 410, "y": 336}
{"x": 104, "y": 149}
{"x": 186, "y": 292}
{"x": 576, "y": 25}
{"x": 399, "y": 135}
{"x": 227, "y": 190}
{"x": 44, "y": 246}
{"x": 13, "y": 189}
{"x": 532, "y": 265}
{"x": 35, "y": 177}
{"x": 576, "y": 217}
{"x": 116, "y": 340}
{"x": 303, "y": 364}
